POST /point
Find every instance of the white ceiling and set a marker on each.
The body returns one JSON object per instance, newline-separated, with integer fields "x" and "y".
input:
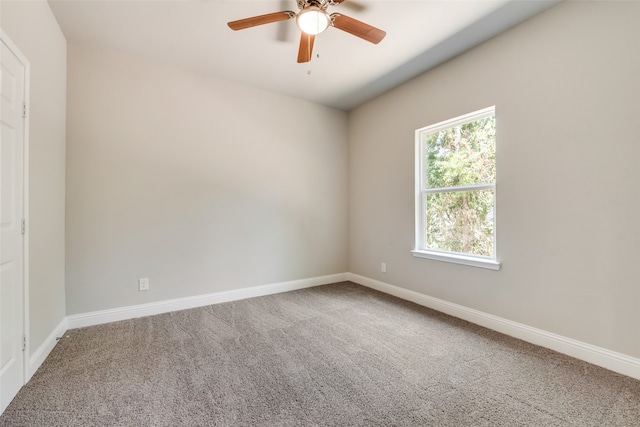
{"x": 347, "y": 71}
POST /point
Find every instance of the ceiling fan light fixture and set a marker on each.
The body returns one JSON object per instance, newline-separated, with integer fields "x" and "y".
{"x": 313, "y": 20}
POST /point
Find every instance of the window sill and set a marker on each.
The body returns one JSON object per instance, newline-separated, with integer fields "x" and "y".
{"x": 458, "y": 259}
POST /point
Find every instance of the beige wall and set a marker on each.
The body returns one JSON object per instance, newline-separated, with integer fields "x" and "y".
{"x": 198, "y": 184}
{"x": 33, "y": 28}
{"x": 566, "y": 88}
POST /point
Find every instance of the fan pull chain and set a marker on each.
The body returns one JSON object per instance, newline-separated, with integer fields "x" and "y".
{"x": 309, "y": 70}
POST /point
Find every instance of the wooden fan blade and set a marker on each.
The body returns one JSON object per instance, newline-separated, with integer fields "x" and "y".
{"x": 357, "y": 28}
{"x": 306, "y": 47}
{"x": 241, "y": 24}
{"x": 352, "y": 5}
{"x": 284, "y": 30}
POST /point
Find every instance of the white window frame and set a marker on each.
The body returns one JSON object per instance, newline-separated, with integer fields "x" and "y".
{"x": 420, "y": 250}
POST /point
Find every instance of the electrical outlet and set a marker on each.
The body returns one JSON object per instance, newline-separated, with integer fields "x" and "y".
{"x": 383, "y": 267}
{"x": 143, "y": 284}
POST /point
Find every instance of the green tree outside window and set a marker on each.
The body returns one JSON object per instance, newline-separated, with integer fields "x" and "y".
{"x": 458, "y": 186}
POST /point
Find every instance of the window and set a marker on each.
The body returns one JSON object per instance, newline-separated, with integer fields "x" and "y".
{"x": 456, "y": 190}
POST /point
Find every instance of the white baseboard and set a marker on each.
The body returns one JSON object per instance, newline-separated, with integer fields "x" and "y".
{"x": 599, "y": 356}
{"x": 37, "y": 357}
{"x": 134, "y": 311}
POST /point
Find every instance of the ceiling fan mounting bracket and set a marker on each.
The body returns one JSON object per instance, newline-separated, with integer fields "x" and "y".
{"x": 322, "y": 4}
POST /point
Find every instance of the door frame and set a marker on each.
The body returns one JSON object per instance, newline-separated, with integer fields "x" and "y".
{"x": 25, "y": 203}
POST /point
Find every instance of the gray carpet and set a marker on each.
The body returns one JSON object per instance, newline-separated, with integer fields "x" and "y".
{"x": 336, "y": 355}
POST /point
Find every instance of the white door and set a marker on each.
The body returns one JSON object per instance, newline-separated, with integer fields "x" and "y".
{"x": 12, "y": 93}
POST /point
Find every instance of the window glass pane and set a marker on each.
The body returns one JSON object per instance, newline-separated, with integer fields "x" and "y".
{"x": 460, "y": 222}
{"x": 461, "y": 155}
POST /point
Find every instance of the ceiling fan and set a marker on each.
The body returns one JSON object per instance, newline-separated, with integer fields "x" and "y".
{"x": 313, "y": 19}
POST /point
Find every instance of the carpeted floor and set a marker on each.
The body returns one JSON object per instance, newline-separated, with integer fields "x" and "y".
{"x": 336, "y": 355}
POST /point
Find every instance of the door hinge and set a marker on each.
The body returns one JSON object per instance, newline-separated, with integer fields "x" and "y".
{"x": 24, "y": 110}
{"x": 24, "y": 342}
{"x": 24, "y": 225}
